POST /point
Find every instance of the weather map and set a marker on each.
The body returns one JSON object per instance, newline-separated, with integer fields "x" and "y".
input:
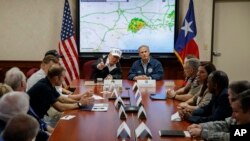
{"x": 127, "y": 24}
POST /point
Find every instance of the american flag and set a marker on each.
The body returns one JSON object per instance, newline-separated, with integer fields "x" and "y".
{"x": 67, "y": 46}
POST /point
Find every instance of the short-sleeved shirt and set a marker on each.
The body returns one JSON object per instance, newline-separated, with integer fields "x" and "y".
{"x": 34, "y": 78}
{"x": 195, "y": 88}
{"x": 42, "y": 96}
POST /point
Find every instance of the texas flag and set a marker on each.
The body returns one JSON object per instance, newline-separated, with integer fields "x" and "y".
{"x": 185, "y": 44}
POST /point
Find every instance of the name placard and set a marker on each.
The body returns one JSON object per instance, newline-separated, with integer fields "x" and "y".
{"x": 146, "y": 83}
{"x": 135, "y": 87}
{"x": 141, "y": 113}
{"x": 123, "y": 131}
{"x": 114, "y": 93}
{"x": 122, "y": 113}
{"x": 143, "y": 131}
{"x": 117, "y": 82}
{"x": 118, "y": 102}
{"x": 138, "y": 101}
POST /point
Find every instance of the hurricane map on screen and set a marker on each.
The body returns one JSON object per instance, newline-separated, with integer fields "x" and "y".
{"x": 126, "y": 24}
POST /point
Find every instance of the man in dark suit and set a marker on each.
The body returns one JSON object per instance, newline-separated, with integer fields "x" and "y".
{"x": 109, "y": 66}
{"x": 219, "y": 107}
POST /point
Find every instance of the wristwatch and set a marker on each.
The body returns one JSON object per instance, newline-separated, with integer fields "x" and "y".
{"x": 79, "y": 104}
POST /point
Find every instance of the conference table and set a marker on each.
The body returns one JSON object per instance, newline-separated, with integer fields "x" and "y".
{"x": 102, "y": 126}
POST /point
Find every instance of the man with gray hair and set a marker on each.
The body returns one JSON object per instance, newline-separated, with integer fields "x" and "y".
{"x": 190, "y": 69}
{"x": 16, "y": 79}
{"x": 11, "y": 104}
{"x": 147, "y": 67}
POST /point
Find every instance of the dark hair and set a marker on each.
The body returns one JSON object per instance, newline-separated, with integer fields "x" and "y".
{"x": 209, "y": 67}
{"x": 55, "y": 70}
{"x": 244, "y": 98}
{"x": 48, "y": 58}
{"x": 220, "y": 78}
{"x": 237, "y": 87}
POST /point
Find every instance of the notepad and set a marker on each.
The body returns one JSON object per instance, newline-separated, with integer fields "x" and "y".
{"x": 98, "y": 107}
{"x": 67, "y": 117}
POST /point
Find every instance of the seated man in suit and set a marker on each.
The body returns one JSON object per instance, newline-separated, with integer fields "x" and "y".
{"x": 145, "y": 68}
{"x": 109, "y": 66}
{"x": 218, "y": 108}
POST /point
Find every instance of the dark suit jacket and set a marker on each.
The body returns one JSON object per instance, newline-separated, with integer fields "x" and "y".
{"x": 116, "y": 73}
{"x": 217, "y": 109}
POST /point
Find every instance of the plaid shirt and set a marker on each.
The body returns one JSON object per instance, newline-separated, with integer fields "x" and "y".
{"x": 217, "y": 130}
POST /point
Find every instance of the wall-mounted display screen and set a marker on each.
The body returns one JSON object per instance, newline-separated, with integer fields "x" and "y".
{"x": 126, "y": 24}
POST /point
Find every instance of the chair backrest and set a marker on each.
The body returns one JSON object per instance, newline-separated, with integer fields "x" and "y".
{"x": 88, "y": 69}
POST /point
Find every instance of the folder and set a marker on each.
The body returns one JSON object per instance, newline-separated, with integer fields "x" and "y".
{"x": 160, "y": 96}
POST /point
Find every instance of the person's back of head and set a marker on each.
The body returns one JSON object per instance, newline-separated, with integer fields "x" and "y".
{"x": 237, "y": 87}
{"x": 13, "y": 103}
{"x": 16, "y": 79}
{"x": 21, "y": 127}
{"x": 4, "y": 88}
{"x": 220, "y": 79}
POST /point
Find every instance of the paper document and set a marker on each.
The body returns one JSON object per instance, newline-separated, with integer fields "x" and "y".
{"x": 89, "y": 83}
{"x": 101, "y": 107}
{"x": 97, "y": 97}
{"x": 67, "y": 117}
{"x": 176, "y": 117}
{"x": 169, "y": 84}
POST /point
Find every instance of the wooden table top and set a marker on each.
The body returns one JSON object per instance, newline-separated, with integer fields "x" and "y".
{"x": 102, "y": 126}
